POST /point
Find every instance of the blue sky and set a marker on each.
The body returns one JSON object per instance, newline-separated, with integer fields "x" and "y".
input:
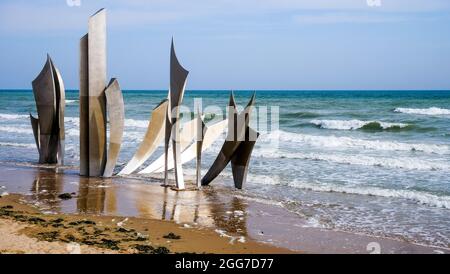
{"x": 237, "y": 44}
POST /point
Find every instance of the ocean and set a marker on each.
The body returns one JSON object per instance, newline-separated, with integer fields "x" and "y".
{"x": 370, "y": 162}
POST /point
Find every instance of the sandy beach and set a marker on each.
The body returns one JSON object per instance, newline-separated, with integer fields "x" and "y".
{"x": 25, "y": 229}
{"x": 126, "y": 215}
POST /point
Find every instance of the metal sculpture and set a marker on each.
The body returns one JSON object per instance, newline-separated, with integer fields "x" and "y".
{"x": 237, "y": 147}
{"x": 116, "y": 115}
{"x": 178, "y": 76}
{"x": 48, "y": 128}
{"x": 94, "y": 97}
{"x": 153, "y": 137}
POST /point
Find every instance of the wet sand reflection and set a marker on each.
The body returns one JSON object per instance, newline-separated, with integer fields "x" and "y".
{"x": 132, "y": 197}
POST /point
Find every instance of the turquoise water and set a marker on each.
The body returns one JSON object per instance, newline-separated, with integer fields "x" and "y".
{"x": 375, "y": 162}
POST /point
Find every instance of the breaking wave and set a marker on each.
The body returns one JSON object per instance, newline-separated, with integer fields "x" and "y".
{"x": 408, "y": 163}
{"x": 358, "y": 124}
{"x": 16, "y": 130}
{"x": 424, "y": 111}
{"x": 420, "y": 197}
{"x": 336, "y": 142}
{"x": 5, "y": 116}
{"x": 6, "y": 144}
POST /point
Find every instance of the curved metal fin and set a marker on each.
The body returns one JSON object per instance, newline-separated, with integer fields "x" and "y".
{"x": 44, "y": 95}
{"x": 116, "y": 115}
{"x": 236, "y": 135}
{"x": 178, "y": 76}
{"x": 241, "y": 158}
{"x": 232, "y": 101}
{"x": 153, "y": 137}
{"x": 60, "y": 109}
{"x": 35, "y": 126}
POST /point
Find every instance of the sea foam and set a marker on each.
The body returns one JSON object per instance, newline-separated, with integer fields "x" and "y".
{"x": 408, "y": 163}
{"x": 424, "y": 111}
{"x": 5, "y": 116}
{"x": 420, "y": 197}
{"x": 7, "y": 144}
{"x": 356, "y": 124}
{"x": 343, "y": 143}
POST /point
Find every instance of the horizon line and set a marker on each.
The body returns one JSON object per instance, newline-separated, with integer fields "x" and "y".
{"x": 250, "y": 90}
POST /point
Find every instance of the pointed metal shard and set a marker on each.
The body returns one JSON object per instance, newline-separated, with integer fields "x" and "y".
{"x": 35, "y": 126}
{"x": 236, "y": 148}
{"x": 48, "y": 90}
{"x": 116, "y": 115}
{"x": 241, "y": 159}
{"x": 60, "y": 109}
{"x": 44, "y": 95}
{"x": 97, "y": 100}
{"x": 178, "y": 76}
{"x": 153, "y": 137}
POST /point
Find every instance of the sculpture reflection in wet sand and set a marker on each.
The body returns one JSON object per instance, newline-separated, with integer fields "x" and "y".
{"x": 48, "y": 128}
{"x": 94, "y": 158}
{"x": 237, "y": 147}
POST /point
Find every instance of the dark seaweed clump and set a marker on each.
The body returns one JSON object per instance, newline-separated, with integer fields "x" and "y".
{"x": 148, "y": 249}
{"x": 65, "y": 196}
{"x": 172, "y": 236}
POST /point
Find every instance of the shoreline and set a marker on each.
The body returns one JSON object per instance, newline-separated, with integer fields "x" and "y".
{"x": 230, "y": 222}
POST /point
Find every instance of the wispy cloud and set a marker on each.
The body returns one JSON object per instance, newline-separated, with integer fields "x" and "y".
{"x": 348, "y": 18}
{"x": 40, "y": 15}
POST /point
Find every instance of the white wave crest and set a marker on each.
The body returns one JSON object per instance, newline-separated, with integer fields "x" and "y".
{"x": 16, "y": 129}
{"x": 71, "y": 101}
{"x": 6, "y": 144}
{"x": 128, "y": 122}
{"x": 353, "y": 124}
{"x": 420, "y": 197}
{"x": 136, "y": 123}
{"x": 5, "y": 116}
{"x": 336, "y": 142}
{"x": 424, "y": 111}
{"x": 408, "y": 163}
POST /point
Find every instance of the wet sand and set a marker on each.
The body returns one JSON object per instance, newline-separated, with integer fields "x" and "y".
{"x": 212, "y": 220}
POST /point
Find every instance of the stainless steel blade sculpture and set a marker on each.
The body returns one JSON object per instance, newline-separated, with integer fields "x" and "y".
{"x": 94, "y": 97}
{"x": 178, "y": 76}
{"x": 237, "y": 148}
{"x": 153, "y": 137}
{"x": 116, "y": 115}
{"x": 48, "y": 128}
